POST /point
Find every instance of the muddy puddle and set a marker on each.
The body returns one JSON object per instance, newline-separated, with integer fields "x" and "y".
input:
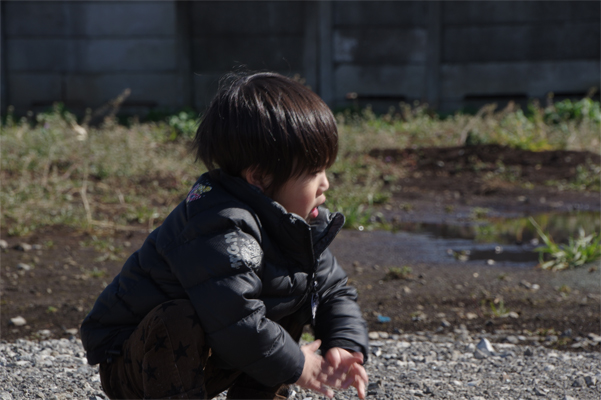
{"x": 491, "y": 241}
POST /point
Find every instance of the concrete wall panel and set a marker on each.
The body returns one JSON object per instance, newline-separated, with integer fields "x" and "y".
{"x": 511, "y": 12}
{"x": 523, "y": 42}
{"x": 214, "y": 18}
{"x": 369, "y": 46}
{"x": 37, "y": 18}
{"x": 149, "y": 89}
{"x": 40, "y": 54}
{"x": 127, "y": 19}
{"x": 205, "y": 87}
{"x": 534, "y": 79}
{"x": 69, "y": 18}
{"x": 380, "y": 13}
{"x": 281, "y": 53}
{"x": 91, "y": 55}
{"x": 401, "y": 81}
{"x": 129, "y": 55}
{"x": 29, "y": 89}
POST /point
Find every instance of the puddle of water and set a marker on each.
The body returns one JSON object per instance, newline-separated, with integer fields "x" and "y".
{"x": 498, "y": 240}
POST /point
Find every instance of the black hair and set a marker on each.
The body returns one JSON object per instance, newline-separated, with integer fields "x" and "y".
{"x": 267, "y": 122}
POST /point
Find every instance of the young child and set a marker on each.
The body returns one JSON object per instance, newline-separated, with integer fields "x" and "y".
{"x": 218, "y": 295}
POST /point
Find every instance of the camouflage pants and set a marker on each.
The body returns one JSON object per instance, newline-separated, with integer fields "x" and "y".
{"x": 166, "y": 357}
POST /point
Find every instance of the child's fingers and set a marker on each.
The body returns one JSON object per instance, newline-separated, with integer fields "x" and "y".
{"x": 360, "y": 389}
{"x": 333, "y": 357}
{"x": 358, "y": 356}
{"x": 314, "y": 346}
{"x": 362, "y": 373}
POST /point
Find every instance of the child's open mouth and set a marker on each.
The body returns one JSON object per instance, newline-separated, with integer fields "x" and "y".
{"x": 314, "y": 212}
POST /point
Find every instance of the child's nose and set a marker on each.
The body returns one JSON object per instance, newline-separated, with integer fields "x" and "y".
{"x": 325, "y": 184}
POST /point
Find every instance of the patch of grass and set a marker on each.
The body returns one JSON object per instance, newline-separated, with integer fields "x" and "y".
{"x": 588, "y": 177}
{"x": 479, "y": 212}
{"x": 97, "y": 273}
{"x": 499, "y": 310}
{"x": 51, "y": 310}
{"x": 57, "y": 169}
{"x": 579, "y": 251}
{"x": 307, "y": 337}
{"x": 396, "y": 273}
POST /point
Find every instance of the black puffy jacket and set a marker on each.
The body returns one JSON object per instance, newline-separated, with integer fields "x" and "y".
{"x": 244, "y": 263}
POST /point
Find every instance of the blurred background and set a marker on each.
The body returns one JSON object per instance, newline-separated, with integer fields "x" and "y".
{"x": 170, "y": 54}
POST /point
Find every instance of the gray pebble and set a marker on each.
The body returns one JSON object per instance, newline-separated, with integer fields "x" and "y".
{"x": 23, "y": 247}
{"x": 24, "y": 267}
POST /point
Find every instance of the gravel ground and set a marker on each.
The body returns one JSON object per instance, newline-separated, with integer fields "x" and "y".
{"x": 456, "y": 365}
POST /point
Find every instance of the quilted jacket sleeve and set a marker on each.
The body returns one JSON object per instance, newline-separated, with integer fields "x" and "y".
{"x": 338, "y": 321}
{"x": 220, "y": 274}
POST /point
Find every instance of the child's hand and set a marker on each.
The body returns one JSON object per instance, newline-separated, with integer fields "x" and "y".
{"x": 340, "y": 369}
{"x": 317, "y": 374}
{"x": 349, "y": 364}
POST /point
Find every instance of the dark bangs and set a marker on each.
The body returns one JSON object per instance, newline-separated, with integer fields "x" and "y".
{"x": 269, "y": 122}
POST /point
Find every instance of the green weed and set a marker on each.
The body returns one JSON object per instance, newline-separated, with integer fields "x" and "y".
{"x": 579, "y": 251}
{"x": 499, "y": 310}
{"x": 307, "y": 337}
{"x": 396, "y": 273}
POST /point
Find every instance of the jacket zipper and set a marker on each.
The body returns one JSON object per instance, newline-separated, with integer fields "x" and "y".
{"x": 314, "y": 297}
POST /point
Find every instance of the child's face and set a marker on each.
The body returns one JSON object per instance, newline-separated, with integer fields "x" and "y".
{"x": 304, "y": 194}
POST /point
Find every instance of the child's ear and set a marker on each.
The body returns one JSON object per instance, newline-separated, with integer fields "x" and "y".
{"x": 257, "y": 178}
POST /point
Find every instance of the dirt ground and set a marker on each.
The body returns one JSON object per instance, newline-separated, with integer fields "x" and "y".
{"x": 69, "y": 268}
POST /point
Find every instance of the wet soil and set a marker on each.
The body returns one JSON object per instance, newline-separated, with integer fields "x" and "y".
{"x": 69, "y": 268}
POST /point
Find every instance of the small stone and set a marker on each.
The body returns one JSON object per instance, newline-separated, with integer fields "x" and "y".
{"x": 37, "y": 247}
{"x": 579, "y": 382}
{"x": 72, "y": 331}
{"x": 485, "y": 346}
{"x": 590, "y": 380}
{"x": 18, "y": 321}
{"x": 528, "y": 352}
{"x": 23, "y": 267}
{"x": 6, "y": 396}
{"x": 444, "y": 323}
{"x": 374, "y": 335}
{"x": 428, "y": 390}
{"x": 473, "y": 383}
{"x": 567, "y": 333}
{"x": 480, "y": 355}
{"x": 526, "y": 284}
{"x": 549, "y": 368}
{"x": 513, "y": 314}
{"x": 3, "y": 245}
{"x": 512, "y": 339}
{"x": 594, "y": 337}
{"x": 471, "y": 315}
{"x": 44, "y": 333}
{"x": 23, "y": 247}
{"x": 539, "y": 392}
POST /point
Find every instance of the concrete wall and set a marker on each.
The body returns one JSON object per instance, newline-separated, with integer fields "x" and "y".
{"x": 86, "y": 53}
{"x": 171, "y": 53}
